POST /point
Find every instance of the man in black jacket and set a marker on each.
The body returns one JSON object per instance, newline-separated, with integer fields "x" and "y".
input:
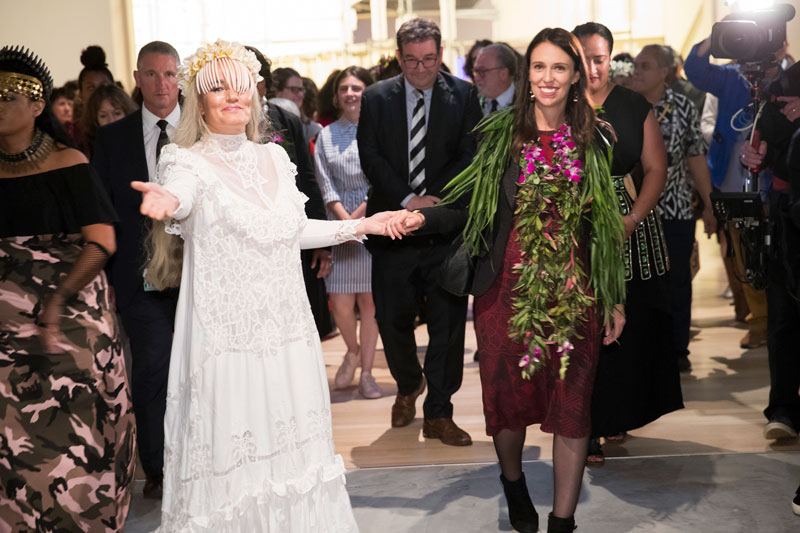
{"x": 127, "y": 151}
{"x": 414, "y": 136}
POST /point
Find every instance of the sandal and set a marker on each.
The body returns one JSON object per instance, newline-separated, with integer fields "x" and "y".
{"x": 595, "y": 454}
{"x": 618, "y": 437}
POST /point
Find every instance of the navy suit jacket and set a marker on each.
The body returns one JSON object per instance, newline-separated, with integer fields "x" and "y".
{"x": 119, "y": 159}
{"x": 383, "y": 141}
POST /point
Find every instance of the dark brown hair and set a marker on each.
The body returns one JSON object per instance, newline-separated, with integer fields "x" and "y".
{"x": 326, "y": 110}
{"x": 580, "y": 115}
{"x": 357, "y": 72}
{"x": 418, "y": 30}
{"x": 113, "y": 94}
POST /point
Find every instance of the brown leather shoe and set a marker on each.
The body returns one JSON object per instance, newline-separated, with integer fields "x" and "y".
{"x": 403, "y": 410}
{"x": 445, "y": 430}
{"x": 153, "y": 486}
{"x": 753, "y": 340}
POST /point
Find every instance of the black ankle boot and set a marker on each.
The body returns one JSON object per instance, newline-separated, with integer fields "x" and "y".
{"x": 560, "y": 525}
{"x": 521, "y": 513}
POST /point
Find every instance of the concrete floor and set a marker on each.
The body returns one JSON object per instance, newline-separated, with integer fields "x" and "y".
{"x": 706, "y": 493}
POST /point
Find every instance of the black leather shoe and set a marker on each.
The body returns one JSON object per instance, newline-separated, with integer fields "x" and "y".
{"x": 153, "y": 486}
{"x": 560, "y": 525}
{"x": 521, "y": 512}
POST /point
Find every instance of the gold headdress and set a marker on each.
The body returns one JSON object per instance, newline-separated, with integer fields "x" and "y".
{"x": 22, "y": 72}
{"x": 216, "y": 61}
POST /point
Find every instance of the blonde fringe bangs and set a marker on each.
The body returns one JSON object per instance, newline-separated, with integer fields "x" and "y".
{"x": 224, "y": 69}
{"x": 164, "y": 250}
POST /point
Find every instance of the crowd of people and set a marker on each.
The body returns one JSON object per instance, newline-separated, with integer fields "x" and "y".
{"x": 560, "y": 188}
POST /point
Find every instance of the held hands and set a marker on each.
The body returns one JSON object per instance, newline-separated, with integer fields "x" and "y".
{"x": 157, "y": 202}
{"x": 374, "y": 225}
{"x": 614, "y": 328}
{"x": 403, "y": 222}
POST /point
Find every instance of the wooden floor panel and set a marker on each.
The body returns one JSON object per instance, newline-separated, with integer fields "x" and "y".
{"x": 724, "y": 396}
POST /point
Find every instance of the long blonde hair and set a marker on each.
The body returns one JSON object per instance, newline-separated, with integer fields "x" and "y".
{"x": 165, "y": 250}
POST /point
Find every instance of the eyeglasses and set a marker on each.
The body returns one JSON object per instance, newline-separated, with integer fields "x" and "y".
{"x": 296, "y": 90}
{"x": 481, "y": 72}
{"x": 413, "y": 62}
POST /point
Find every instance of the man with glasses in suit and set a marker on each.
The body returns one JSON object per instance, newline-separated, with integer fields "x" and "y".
{"x": 414, "y": 136}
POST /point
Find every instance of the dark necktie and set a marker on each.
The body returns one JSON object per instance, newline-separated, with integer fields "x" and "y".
{"x": 494, "y": 106}
{"x": 416, "y": 153}
{"x": 163, "y": 138}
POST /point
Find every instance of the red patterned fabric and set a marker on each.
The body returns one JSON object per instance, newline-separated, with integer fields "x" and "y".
{"x": 511, "y": 402}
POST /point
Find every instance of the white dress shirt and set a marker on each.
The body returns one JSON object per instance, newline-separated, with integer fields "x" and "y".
{"x": 151, "y": 132}
{"x": 505, "y": 99}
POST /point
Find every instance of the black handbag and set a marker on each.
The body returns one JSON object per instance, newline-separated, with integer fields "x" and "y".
{"x": 458, "y": 269}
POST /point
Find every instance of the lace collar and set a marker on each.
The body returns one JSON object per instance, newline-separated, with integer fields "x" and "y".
{"x": 227, "y": 143}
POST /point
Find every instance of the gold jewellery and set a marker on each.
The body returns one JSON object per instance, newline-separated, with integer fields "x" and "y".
{"x": 29, "y": 158}
{"x": 21, "y": 84}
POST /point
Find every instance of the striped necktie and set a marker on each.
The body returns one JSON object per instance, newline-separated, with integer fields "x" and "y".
{"x": 416, "y": 153}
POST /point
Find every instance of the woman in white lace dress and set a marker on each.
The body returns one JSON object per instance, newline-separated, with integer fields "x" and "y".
{"x": 248, "y": 444}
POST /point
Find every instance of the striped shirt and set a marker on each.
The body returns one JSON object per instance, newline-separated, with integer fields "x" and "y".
{"x": 341, "y": 179}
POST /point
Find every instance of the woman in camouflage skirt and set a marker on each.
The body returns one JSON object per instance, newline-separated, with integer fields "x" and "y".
{"x": 66, "y": 425}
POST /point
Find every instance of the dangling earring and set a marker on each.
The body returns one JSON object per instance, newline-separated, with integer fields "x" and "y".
{"x": 575, "y": 96}
{"x": 533, "y": 96}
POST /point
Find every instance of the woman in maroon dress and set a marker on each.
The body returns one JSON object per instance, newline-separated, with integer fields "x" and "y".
{"x": 546, "y": 239}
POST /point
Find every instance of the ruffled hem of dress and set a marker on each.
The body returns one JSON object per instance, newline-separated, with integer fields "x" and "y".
{"x": 315, "y": 502}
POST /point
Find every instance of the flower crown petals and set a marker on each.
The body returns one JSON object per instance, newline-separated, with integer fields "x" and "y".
{"x": 216, "y": 50}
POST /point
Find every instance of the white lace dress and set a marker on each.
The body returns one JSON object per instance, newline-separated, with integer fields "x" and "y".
{"x": 248, "y": 444}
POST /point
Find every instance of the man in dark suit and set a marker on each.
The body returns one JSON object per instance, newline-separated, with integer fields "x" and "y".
{"x": 414, "y": 136}
{"x": 127, "y": 151}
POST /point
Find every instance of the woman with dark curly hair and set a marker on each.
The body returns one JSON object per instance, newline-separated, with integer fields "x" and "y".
{"x": 65, "y": 407}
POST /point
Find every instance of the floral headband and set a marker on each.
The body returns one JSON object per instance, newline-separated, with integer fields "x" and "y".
{"x": 206, "y": 59}
{"x": 621, "y": 68}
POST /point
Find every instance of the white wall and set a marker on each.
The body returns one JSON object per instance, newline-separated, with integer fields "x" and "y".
{"x": 58, "y": 30}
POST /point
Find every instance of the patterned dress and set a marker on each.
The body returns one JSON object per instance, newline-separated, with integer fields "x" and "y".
{"x": 67, "y": 430}
{"x": 637, "y": 377}
{"x": 511, "y": 402}
{"x": 341, "y": 179}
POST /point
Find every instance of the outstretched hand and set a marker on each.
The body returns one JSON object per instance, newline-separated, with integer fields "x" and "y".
{"x": 157, "y": 202}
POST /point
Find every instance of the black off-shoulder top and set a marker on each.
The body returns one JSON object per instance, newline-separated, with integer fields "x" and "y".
{"x": 57, "y": 201}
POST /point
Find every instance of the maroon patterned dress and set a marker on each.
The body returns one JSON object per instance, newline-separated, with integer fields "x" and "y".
{"x": 509, "y": 400}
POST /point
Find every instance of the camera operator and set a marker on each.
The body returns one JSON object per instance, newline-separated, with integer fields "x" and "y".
{"x": 733, "y": 93}
{"x": 779, "y": 150}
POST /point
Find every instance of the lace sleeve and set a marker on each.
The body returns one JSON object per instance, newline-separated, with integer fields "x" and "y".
{"x": 322, "y": 233}
{"x": 177, "y": 174}
{"x": 287, "y": 172}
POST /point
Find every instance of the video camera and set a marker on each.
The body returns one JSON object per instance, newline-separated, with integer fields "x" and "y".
{"x": 751, "y": 38}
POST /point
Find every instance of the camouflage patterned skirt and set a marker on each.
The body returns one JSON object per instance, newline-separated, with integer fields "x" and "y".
{"x": 67, "y": 430}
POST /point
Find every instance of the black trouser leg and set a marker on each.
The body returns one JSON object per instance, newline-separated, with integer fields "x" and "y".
{"x": 783, "y": 320}
{"x": 148, "y": 322}
{"x": 394, "y": 289}
{"x": 679, "y": 235}
{"x": 397, "y": 274}
{"x": 444, "y": 358}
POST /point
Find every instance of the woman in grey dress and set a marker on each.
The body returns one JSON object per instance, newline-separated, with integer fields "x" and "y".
{"x": 344, "y": 190}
